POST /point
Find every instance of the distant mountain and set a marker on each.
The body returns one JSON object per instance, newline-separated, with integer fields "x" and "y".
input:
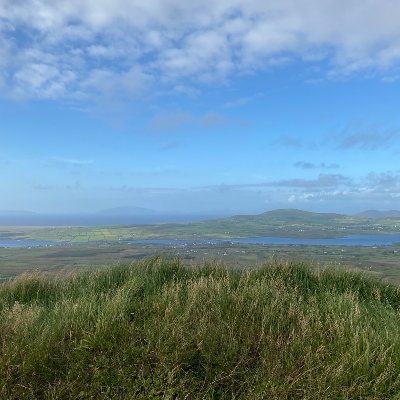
{"x": 375, "y": 214}
{"x": 290, "y": 223}
{"x": 298, "y": 215}
{"x": 17, "y": 212}
{"x": 128, "y": 210}
{"x": 288, "y": 216}
{"x": 277, "y": 223}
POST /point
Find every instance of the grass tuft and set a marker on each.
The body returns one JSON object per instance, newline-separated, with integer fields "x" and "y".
{"x": 159, "y": 330}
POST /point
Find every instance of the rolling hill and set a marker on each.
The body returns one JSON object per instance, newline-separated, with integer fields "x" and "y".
{"x": 289, "y": 223}
{"x": 375, "y": 214}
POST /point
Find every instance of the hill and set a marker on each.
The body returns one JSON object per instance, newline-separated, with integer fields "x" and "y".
{"x": 375, "y": 214}
{"x": 159, "y": 330}
{"x": 278, "y": 223}
{"x": 282, "y": 222}
{"x": 300, "y": 215}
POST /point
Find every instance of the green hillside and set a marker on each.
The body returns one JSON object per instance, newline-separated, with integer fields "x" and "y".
{"x": 290, "y": 223}
{"x": 278, "y": 223}
{"x": 158, "y": 330}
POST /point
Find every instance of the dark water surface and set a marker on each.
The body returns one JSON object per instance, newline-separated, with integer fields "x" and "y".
{"x": 27, "y": 243}
{"x": 351, "y": 240}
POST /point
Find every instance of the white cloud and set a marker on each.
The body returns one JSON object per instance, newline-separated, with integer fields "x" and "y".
{"x": 198, "y": 52}
{"x": 108, "y": 82}
{"x": 56, "y": 49}
{"x": 41, "y": 80}
{"x": 374, "y": 187}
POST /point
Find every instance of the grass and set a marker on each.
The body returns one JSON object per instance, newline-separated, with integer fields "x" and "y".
{"x": 159, "y": 330}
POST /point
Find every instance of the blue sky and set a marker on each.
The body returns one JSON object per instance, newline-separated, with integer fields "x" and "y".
{"x": 229, "y": 105}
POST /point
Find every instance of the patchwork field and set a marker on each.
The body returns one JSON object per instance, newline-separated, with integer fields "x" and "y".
{"x": 382, "y": 261}
{"x": 278, "y": 223}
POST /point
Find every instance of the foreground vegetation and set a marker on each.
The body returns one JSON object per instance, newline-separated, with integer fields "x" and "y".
{"x": 159, "y": 330}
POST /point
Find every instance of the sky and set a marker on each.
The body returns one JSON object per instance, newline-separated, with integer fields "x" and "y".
{"x": 237, "y": 106}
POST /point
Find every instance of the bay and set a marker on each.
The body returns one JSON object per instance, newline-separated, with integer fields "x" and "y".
{"x": 351, "y": 240}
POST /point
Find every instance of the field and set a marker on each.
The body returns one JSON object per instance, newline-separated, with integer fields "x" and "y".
{"x": 159, "y": 330}
{"x": 383, "y": 262}
{"x": 278, "y": 223}
{"x": 98, "y": 318}
{"x": 86, "y": 247}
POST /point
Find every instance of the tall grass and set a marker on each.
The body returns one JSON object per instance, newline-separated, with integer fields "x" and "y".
{"x": 159, "y": 330}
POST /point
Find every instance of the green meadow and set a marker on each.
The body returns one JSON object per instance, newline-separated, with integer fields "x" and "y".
{"x": 157, "y": 329}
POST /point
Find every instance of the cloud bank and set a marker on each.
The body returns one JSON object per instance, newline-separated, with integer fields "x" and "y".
{"x": 79, "y": 49}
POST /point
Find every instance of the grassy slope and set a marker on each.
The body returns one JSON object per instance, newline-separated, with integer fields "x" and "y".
{"x": 159, "y": 330}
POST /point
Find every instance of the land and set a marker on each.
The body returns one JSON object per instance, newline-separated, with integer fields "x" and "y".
{"x": 88, "y": 247}
{"x": 157, "y": 329}
{"x": 277, "y": 223}
{"x": 383, "y": 262}
{"x": 96, "y": 317}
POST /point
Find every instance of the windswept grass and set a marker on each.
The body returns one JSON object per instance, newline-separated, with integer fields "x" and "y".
{"x": 159, "y": 330}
